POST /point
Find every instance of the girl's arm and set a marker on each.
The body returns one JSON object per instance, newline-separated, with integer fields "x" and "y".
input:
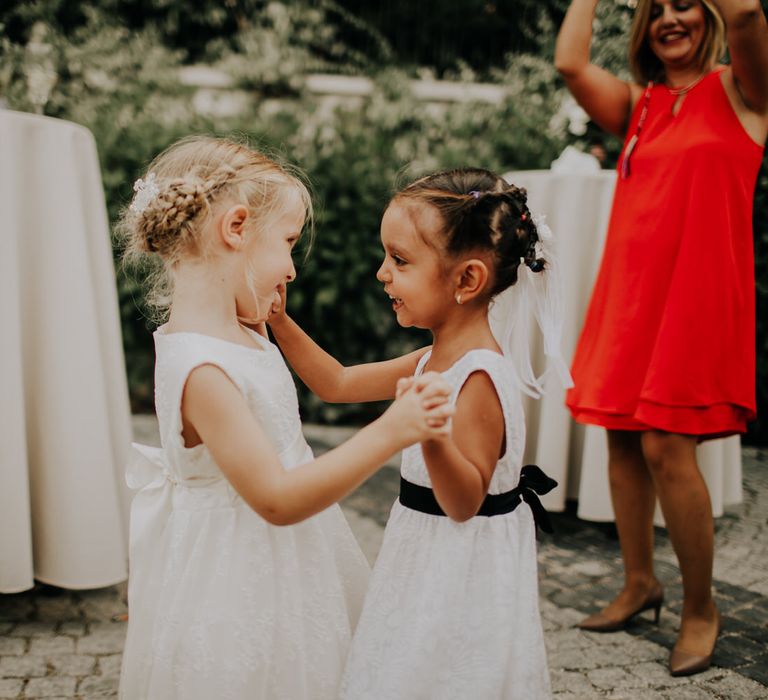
{"x": 747, "y": 34}
{"x": 607, "y": 99}
{"x": 213, "y": 407}
{"x": 328, "y": 378}
{"x": 461, "y": 465}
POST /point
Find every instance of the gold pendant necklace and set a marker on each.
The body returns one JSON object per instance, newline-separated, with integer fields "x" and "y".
{"x": 687, "y": 88}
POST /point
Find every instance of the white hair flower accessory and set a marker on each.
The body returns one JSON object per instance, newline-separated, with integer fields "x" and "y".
{"x": 539, "y": 220}
{"x": 538, "y": 293}
{"x": 146, "y": 191}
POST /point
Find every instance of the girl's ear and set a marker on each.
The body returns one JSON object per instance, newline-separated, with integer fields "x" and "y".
{"x": 232, "y": 225}
{"x": 472, "y": 279}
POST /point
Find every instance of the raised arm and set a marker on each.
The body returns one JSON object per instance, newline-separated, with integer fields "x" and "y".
{"x": 747, "y": 34}
{"x": 216, "y": 412}
{"x": 328, "y": 378}
{"x": 607, "y": 99}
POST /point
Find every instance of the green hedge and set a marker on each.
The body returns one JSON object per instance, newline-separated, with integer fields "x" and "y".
{"x": 122, "y": 85}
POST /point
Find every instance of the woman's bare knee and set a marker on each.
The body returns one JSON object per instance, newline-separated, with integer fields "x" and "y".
{"x": 668, "y": 455}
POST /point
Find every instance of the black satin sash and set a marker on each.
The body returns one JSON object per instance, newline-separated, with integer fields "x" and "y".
{"x": 533, "y": 483}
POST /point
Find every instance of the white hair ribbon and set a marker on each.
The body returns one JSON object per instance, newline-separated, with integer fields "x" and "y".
{"x": 539, "y": 293}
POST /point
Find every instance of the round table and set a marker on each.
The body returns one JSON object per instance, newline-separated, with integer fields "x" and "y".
{"x": 65, "y": 426}
{"x": 577, "y": 207}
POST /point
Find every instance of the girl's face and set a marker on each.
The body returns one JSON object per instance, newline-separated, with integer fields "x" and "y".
{"x": 267, "y": 263}
{"x": 676, "y": 31}
{"x": 412, "y": 273}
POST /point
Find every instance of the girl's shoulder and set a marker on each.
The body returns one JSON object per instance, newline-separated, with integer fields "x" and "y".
{"x": 177, "y": 353}
{"x": 261, "y": 375}
{"x": 498, "y": 367}
{"x": 495, "y": 364}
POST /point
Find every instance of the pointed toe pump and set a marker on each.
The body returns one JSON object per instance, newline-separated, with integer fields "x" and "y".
{"x": 682, "y": 663}
{"x": 599, "y": 622}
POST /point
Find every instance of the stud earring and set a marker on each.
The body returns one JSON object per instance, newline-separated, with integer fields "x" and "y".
{"x": 458, "y": 299}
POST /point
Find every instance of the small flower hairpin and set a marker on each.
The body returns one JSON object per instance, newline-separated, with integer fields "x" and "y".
{"x": 146, "y": 191}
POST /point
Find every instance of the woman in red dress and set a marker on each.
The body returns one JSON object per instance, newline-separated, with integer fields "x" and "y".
{"x": 667, "y": 354}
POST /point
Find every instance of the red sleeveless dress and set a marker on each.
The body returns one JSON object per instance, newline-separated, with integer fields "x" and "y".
{"x": 669, "y": 337}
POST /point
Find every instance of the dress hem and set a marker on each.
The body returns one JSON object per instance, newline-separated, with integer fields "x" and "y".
{"x": 705, "y": 423}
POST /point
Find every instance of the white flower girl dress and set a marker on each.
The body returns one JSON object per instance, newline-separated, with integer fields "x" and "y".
{"x": 223, "y": 605}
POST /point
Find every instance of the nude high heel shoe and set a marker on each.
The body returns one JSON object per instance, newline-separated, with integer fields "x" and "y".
{"x": 681, "y": 663}
{"x": 601, "y": 623}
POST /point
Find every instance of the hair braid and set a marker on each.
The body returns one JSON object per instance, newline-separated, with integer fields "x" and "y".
{"x": 180, "y": 191}
{"x": 480, "y": 210}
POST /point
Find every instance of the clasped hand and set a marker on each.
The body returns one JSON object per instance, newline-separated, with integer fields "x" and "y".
{"x": 424, "y": 402}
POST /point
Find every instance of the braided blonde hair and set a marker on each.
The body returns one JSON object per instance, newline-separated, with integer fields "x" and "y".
{"x": 189, "y": 179}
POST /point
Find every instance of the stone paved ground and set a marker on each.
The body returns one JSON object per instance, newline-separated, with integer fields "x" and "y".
{"x": 65, "y": 644}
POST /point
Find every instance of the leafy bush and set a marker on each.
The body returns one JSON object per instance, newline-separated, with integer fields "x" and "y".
{"x": 123, "y": 87}
{"x": 88, "y": 66}
{"x": 354, "y": 160}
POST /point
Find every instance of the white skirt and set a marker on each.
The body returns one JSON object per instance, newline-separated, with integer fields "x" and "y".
{"x": 224, "y": 605}
{"x": 451, "y": 613}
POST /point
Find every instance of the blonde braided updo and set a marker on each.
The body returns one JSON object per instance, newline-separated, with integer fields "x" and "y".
{"x": 167, "y": 220}
{"x": 181, "y": 190}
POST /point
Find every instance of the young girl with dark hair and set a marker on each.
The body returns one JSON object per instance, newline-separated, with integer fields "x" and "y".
{"x": 452, "y": 609}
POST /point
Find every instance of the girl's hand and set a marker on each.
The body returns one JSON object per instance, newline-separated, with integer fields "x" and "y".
{"x": 277, "y": 311}
{"x": 421, "y": 410}
{"x": 403, "y": 384}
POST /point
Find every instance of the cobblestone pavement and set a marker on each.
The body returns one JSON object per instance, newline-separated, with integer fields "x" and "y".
{"x": 67, "y": 644}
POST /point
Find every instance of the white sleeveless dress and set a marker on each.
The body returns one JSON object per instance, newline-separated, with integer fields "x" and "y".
{"x": 452, "y": 610}
{"x": 221, "y": 603}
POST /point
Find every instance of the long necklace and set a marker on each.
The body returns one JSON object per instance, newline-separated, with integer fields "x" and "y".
{"x": 687, "y": 88}
{"x": 633, "y": 141}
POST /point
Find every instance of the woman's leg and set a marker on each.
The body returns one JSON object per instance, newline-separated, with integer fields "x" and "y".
{"x": 687, "y": 511}
{"x": 634, "y": 499}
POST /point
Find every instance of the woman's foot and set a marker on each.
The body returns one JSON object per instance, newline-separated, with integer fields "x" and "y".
{"x": 630, "y": 602}
{"x": 696, "y": 643}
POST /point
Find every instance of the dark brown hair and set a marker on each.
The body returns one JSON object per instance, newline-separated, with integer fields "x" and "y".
{"x": 481, "y": 212}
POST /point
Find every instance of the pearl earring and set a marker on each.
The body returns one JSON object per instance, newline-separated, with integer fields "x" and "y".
{"x": 458, "y": 299}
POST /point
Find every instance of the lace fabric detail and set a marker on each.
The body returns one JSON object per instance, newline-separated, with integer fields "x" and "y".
{"x": 502, "y": 374}
{"x": 261, "y": 375}
{"x": 223, "y": 604}
{"x": 452, "y": 609}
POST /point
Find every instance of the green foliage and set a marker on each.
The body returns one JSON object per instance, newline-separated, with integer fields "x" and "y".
{"x": 112, "y": 66}
{"x": 355, "y": 157}
{"x": 282, "y": 43}
{"x": 321, "y": 30}
{"x": 122, "y": 86}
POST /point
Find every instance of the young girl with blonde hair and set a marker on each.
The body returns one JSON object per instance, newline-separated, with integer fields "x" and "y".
{"x": 223, "y": 602}
{"x": 452, "y": 610}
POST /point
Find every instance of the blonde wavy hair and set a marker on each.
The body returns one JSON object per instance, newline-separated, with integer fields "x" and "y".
{"x": 646, "y": 66}
{"x": 191, "y": 177}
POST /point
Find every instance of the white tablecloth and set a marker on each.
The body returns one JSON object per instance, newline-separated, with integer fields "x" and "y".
{"x": 577, "y": 207}
{"x": 64, "y": 415}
